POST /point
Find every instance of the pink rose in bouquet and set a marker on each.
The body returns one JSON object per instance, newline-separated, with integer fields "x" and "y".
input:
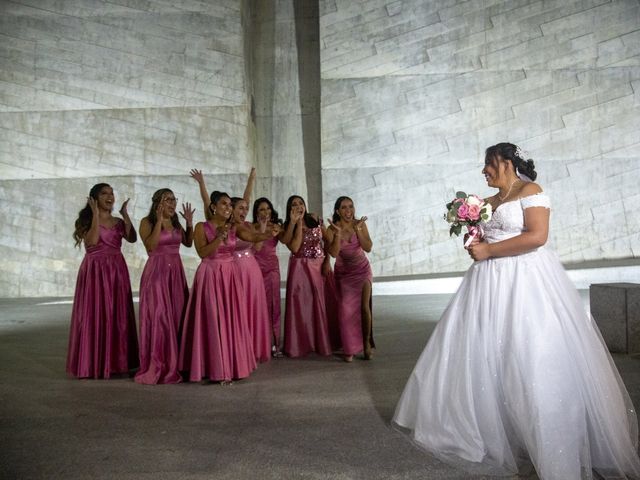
{"x": 467, "y": 211}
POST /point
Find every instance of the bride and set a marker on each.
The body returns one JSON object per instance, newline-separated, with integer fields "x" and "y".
{"x": 516, "y": 371}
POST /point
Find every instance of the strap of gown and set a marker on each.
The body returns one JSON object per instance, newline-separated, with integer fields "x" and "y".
{"x": 209, "y": 232}
{"x": 536, "y": 200}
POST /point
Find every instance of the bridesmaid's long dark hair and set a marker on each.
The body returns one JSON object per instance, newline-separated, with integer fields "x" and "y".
{"x": 336, "y": 207}
{"x": 309, "y": 221}
{"x": 275, "y": 219}
{"x": 85, "y": 216}
{"x": 155, "y": 201}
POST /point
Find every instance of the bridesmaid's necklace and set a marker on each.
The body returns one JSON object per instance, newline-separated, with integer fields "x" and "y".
{"x": 508, "y": 191}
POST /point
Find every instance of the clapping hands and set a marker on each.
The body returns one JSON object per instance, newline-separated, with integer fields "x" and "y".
{"x": 123, "y": 209}
{"x": 223, "y": 231}
{"x": 360, "y": 224}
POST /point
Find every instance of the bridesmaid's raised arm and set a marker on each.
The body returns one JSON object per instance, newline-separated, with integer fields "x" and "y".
{"x": 198, "y": 176}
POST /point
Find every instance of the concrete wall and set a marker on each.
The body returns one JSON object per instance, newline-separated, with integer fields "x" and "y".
{"x": 134, "y": 93}
{"x": 137, "y": 92}
{"x": 283, "y": 159}
{"x": 414, "y": 91}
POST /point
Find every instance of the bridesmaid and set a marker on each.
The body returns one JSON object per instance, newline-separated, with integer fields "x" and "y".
{"x": 102, "y": 338}
{"x": 305, "y": 324}
{"x": 265, "y": 255}
{"x": 251, "y": 276}
{"x": 163, "y": 288}
{"x": 215, "y": 339}
{"x": 349, "y": 239}
{"x": 255, "y": 300}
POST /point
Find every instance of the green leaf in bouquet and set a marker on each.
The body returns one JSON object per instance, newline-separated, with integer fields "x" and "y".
{"x": 461, "y": 195}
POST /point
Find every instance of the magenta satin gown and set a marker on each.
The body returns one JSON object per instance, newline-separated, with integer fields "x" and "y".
{"x": 305, "y": 321}
{"x": 352, "y": 271}
{"x": 102, "y": 339}
{"x": 270, "y": 267}
{"x": 255, "y": 301}
{"x": 163, "y": 298}
{"x": 215, "y": 336}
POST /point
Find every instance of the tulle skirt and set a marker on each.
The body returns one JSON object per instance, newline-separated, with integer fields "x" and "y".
{"x": 102, "y": 338}
{"x": 516, "y": 370}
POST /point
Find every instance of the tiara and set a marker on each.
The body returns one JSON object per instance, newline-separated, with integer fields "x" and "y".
{"x": 521, "y": 153}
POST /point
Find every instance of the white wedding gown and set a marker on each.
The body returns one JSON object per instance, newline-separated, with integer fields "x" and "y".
{"x": 517, "y": 371}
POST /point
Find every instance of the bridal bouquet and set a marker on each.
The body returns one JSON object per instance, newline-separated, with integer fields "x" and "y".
{"x": 467, "y": 211}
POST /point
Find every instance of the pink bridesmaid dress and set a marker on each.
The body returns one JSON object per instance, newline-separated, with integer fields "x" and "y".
{"x": 255, "y": 301}
{"x": 270, "y": 267}
{"x": 102, "y": 339}
{"x": 305, "y": 320}
{"x": 352, "y": 271}
{"x": 163, "y": 297}
{"x": 215, "y": 339}
{"x": 331, "y": 305}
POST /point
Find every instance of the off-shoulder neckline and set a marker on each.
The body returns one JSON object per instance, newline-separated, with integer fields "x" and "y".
{"x": 519, "y": 199}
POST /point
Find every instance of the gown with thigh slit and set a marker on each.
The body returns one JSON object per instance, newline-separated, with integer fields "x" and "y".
{"x": 352, "y": 272}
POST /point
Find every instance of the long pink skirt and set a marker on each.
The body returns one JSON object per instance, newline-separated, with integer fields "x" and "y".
{"x": 102, "y": 338}
{"x": 305, "y": 324}
{"x": 350, "y": 282}
{"x": 163, "y": 298}
{"x": 270, "y": 267}
{"x": 215, "y": 338}
{"x": 255, "y": 303}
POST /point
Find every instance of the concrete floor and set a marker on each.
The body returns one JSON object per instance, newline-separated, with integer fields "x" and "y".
{"x": 311, "y": 419}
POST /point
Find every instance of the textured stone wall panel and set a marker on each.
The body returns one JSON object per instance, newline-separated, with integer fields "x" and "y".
{"x": 401, "y": 134}
{"x": 134, "y": 93}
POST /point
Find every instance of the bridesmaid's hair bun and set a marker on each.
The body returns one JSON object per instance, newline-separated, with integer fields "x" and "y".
{"x": 216, "y": 196}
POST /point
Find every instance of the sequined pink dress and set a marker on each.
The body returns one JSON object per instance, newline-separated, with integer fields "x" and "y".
{"x": 215, "y": 339}
{"x": 305, "y": 321}
{"x": 352, "y": 271}
{"x": 270, "y": 267}
{"x": 103, "y": 339}
{"x": 163, "y": 298}
{"x": 255, "y": 301}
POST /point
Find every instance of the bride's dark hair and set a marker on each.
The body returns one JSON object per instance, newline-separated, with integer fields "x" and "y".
{"x": 511, "y": 152}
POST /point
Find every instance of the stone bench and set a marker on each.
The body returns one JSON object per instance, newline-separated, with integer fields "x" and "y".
{"x": 616, "y": 310}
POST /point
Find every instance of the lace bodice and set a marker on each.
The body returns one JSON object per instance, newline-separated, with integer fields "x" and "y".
{"x": 508, "y": 219}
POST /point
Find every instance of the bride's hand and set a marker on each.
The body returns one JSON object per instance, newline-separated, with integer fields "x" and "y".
{"x": 475, "y": 241}
{"x": 478, "y": 250}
